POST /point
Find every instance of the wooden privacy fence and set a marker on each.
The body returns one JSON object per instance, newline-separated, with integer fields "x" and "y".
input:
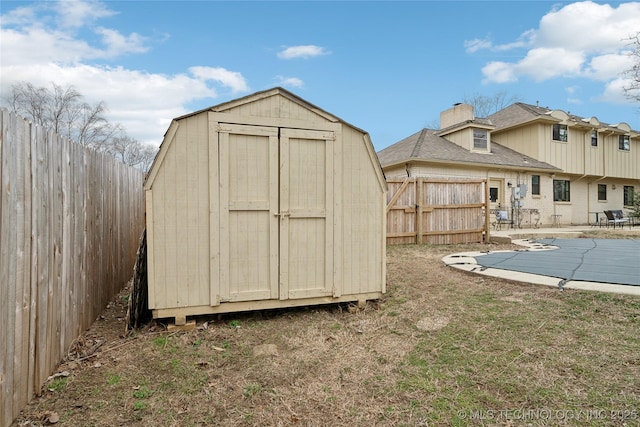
{"x": 437, "y": 211}
{"x": 70, "y": 220}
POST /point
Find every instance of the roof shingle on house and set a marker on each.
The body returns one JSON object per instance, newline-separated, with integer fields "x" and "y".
{"x": 520, "y": 113}
{"x": 425, "y": 146}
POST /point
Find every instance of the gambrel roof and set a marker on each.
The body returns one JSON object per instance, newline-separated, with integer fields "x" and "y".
{"x": 427, "y": 146}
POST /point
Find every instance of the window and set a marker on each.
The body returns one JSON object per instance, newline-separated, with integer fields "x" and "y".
{"x": 623, "y": 142}
{"x": 560, "y": 133}
{"x": 561, "y": 190}
{"x": 535, "y": 185}
{"x": 493, "y": 194}
{"x": 480, "y": 139}
{"x": 594, "y": 138}
{"x": 628, "y": 195}
{"x": 602, "y": 192}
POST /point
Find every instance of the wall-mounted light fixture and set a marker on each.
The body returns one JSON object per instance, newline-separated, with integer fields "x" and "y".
{"x": 613, "y": 187}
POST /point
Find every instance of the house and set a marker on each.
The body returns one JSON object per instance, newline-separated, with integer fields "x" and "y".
{"x": 464, "y": 148}
{"x": 563, "y": 168}
{"x": 262, "y": 202}
{"x": 600, "y": 162}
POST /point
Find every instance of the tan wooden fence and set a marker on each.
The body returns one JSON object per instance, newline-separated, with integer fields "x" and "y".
{"x": 70, "y": 220}
{"x": 437, "y": 211}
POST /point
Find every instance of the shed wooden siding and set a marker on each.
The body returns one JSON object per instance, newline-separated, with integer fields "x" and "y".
{"x": 178, "y": 218}
{"x": 210, "y": 197}
{"x": 361, "y": 224}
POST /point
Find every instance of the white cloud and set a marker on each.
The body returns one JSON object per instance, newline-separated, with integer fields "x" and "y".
{"x": 52, "y": 27}
{"x": 231, "y": 79}
{"x": 117, "y": 44}
{"x": 499, "y": 72}
{"x": 578, "y": 40}
{"x": 53, "y": 46}
{"x": 79, "y": 13}
{"x": 126, "y": 93}
{"x": 19, "y": 16}
{"x": 475, "y": 45}
{"x": 526, "y": 39}
{"x": 614, "y": 92}
{"x": 572, "y": 89}
{"x": 603, "y": 67}
{"x": 289, "y": 81}
{"x": 144, "y": 103}
{"x": 547, "y": 63}
{"x": 305, "y": 51}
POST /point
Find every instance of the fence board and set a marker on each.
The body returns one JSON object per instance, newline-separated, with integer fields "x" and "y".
{"x": 70, "y": 220}
{"x": 436, "y": 211}
{"x": 8, "y": 292}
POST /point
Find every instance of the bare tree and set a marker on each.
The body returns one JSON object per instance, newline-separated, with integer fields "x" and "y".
{"x": 485, "y": 105}
{"x": 31, "y": 102}
{"x": 64, "y": 111}
{"x": 148, "y": 155}
{"x": 632, "y": 90}
{"x": 132, "y": 153}
{"x": 61, "y": 104}
{"x": 126, "y": 149}
{"x": 91, "y": 128}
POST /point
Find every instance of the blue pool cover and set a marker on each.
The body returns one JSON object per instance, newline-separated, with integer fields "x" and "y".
{"x": 593, "y": 260}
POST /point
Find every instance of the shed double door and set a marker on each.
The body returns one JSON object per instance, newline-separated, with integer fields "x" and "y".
{"x": 276, "y": 216}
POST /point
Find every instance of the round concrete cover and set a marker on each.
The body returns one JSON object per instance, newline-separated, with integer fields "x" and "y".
{"x": 591, "y": 260}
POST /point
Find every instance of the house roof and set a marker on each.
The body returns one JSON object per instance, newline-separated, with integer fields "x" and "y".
{"x": 482, "y": 122}
{"x": 427, "y": 146}
{"x": 519, "y": 113}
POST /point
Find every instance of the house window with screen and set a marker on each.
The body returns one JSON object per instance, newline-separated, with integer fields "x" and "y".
{"x": 535, "y": 185}
{"x": 623, "y": 142}
{"x": 561, "y": 190}
{"x": 594, "y": 138}
{"x": 560, "y": 133}
{"x": 628, "y": 195}
{"x": 602, "y": 192}
{"x": 480, "y": 139}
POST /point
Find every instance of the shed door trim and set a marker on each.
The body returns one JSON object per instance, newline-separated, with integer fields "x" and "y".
{"x": 274, "y": 237}
{"x": 306, "y": 207}
{"x": 248, "y": 228}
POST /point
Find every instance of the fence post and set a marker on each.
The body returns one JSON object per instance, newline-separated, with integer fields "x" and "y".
{"x": 419, "y": 202}
{"x": 487, "y": 214}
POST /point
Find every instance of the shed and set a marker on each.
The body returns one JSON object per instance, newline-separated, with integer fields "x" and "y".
{"x": 263, "y": 202}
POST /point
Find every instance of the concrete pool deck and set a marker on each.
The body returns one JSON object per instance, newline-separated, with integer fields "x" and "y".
{"x": 558, "y": 257}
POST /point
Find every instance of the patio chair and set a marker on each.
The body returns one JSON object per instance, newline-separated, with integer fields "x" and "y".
{"x": 615, "y": 217}
{"x": 502, "y": 217}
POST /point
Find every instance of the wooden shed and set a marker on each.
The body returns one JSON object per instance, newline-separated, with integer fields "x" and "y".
{"x": 266, "y": 201}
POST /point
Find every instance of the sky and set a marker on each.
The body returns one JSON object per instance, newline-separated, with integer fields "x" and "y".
{"x": 387, "y": 67}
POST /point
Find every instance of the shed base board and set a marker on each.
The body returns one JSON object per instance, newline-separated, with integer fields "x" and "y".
{"x": 233, "y": 307}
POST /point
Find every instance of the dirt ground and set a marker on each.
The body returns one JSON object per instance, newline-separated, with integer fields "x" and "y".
{"x": 337, "y": 365}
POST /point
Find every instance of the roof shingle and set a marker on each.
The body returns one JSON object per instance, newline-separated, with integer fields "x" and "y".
{"x": 426, "y": 146}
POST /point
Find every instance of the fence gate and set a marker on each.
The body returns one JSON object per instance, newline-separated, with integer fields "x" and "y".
{"x": 437, "y": 211}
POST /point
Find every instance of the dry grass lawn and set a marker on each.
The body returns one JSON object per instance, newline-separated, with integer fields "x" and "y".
{"x": 443, "y": 347}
